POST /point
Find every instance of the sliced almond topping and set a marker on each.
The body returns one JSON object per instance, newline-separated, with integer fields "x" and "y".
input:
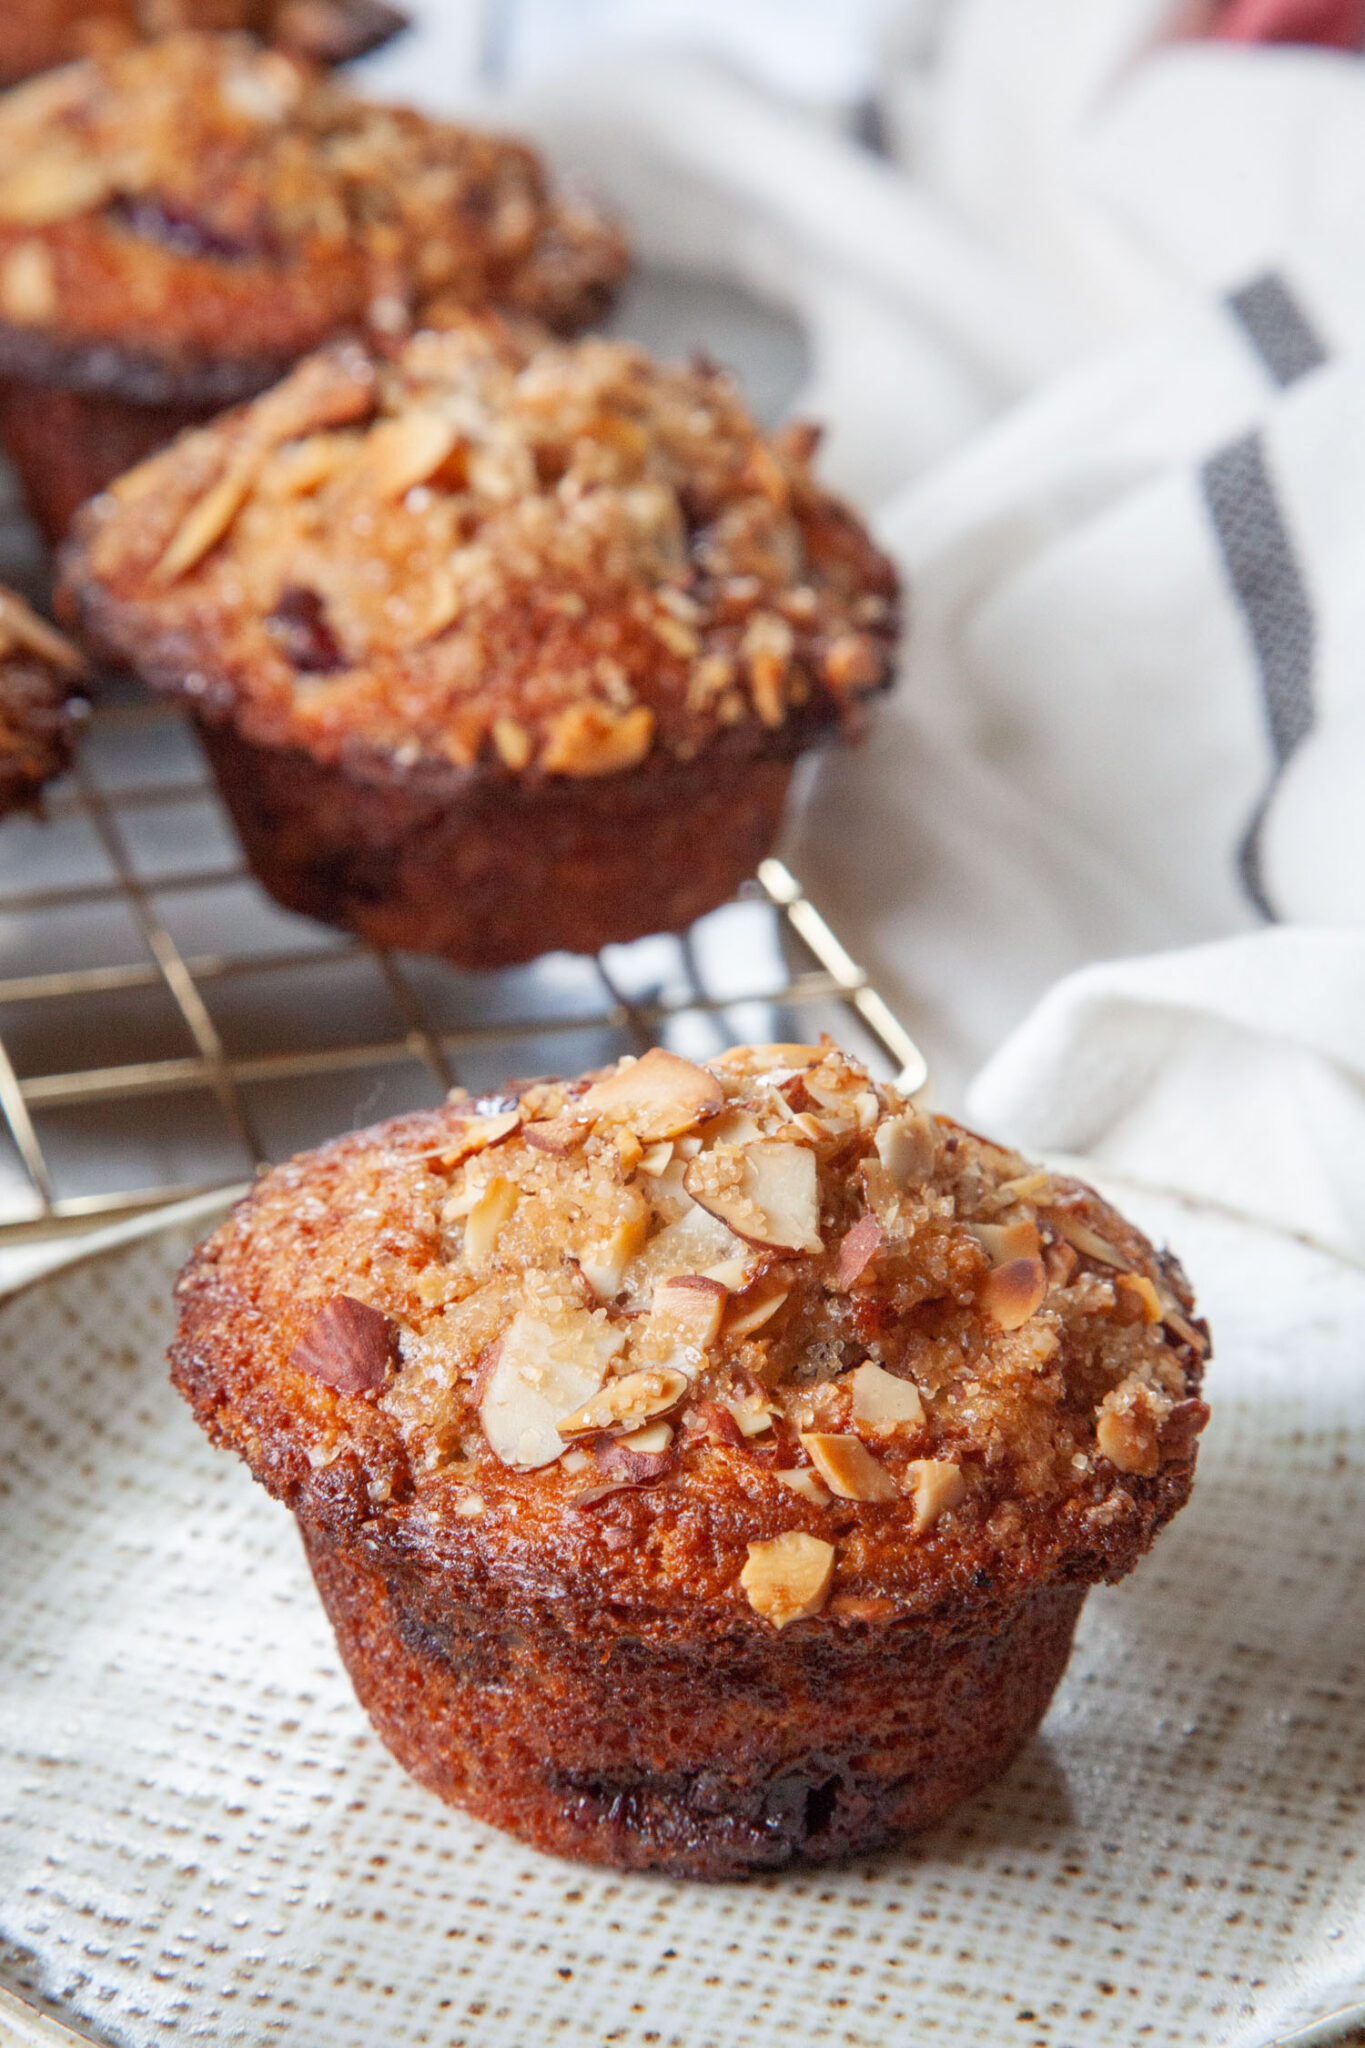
{"x": 751, "y": 1413}
{"x": 544, "y": 1367}
{"x": 688, "y": 1309}
{"x": 477, "y": 1135}
{"x": 1087, "y": 1241}
{"x": 767, "y": 1059}
{"x": 21, "y": 627}
{"x": 406, "y": 450}
{"x": 629, "y": 1150}
{"x": 513, "y": 743}
{"x": 1140, "y": 1291}
{"x": 603, "y": 1264}
{"x": 1173, "y": 1320}
{"x": 1128, "y": 1431}
{"x": 649, "y": 1441}
{"x": 907, "y": 1148}
{"x": 883, "y": 1403}
{"x": 733, "y": 1274}
{"x": 560, "y": 1136}
{"x": 858, "y": 1249}
{"x": 626, "y": 1404}
{"x": 1026, "y": 1189}
{"x": 1013, "y": 1292}
{"x": 800, "y": 1479}
{"x": 658, "y": 1096}
{"x": 1002, "y": 1242}
{"x": 849, "y": 1469}
{"x": 348, "y": 1345}
{"x": 208, "y": 520}
{"x": 52, "y": 187}
{"x": 655, "y": 1159}
{"x": 495, "y": 1207}
{"x": 754, "y": 1311}
{"x": 772, "y": 1201}
{"x": 28, "y": 285}
{"x": 937, "y": 1485}
{"x": 590, "y": 739}
{"x": 788, "y": 1578}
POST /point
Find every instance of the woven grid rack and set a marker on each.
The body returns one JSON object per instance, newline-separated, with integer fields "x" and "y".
{"x": 164, "y": 1029}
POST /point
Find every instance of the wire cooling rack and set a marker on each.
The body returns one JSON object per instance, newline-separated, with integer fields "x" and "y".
{"x": 164, "y": 1029}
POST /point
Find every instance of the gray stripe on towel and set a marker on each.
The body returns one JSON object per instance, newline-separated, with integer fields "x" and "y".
{"x": 1278, "y": 328}
{"x": 1259, "y": 558}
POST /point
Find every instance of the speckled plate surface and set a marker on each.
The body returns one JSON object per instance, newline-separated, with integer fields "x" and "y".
{"x": 200, "y": 1839}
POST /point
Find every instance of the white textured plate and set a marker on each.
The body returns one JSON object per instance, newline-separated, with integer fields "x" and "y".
{"x": 201, "y": 1840}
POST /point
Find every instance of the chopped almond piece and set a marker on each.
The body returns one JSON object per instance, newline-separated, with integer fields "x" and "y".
{"x": 603, "y": 1265}
{"x": 655, "y": 1160}
{"x": 883, "y": 1403}
{"x": 495, "y": 1207}
{"x": 1141, "y": 1293}
{"x": 1005, "y": 1241}
{"x": 788, "y": 1578}
{"x": 657, "y": 1096}
{"x": 1013, "y": 1292}
{"x": 907, "y": 1148}
{"x": 751, "y": 1413}
{"x": 802, "y": 1480}
{"x": 626, "y": 1404}
{"x": 560, "y": 1136}
{"x": 755, "y": 1309}
{"x": 849, "y": 1469}
{"x": 1087, "y": 1241}
{"x": 858, "y": 1249}
{"x": 937, "y": 1485}
{"x": 689, "y": 1308}
{"x": 1128, "y": 1429}
{"x": 478, "y": 1134}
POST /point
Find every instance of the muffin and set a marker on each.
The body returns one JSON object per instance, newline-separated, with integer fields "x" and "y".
{"x": 497, "y": 643}
{"x": 180, "y": 221}
{"x": 39, "y": 704}
{"x": 36, "y": 34}
{"x": 702, "y": 1467}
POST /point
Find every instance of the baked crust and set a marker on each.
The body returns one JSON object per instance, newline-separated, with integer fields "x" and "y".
{"x": 36, "y": 34}
{"x": 498, "y": 644}
{"x": 804, "y": 1473}
{"x": 202, "y": 201}
{"x": 40, "y": 676}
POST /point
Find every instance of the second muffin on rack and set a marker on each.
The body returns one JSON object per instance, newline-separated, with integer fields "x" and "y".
{"x": 497, "y": 644}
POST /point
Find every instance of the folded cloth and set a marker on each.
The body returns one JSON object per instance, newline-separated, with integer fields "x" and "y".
{"x": 1131, "y": 728}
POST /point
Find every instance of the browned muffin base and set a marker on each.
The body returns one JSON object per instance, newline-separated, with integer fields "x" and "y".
{"x": 67, "y": 445}
{"x": 498, "y": 871}
{"x": 713, "y": 1761}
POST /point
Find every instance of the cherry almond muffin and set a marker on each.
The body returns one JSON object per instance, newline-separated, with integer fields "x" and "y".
{"x": 40, "y": 676}
{"x": 36, "y": 34}
{"x": 703, "y": 1467}
{"x": 181, "y": 220}
{"x": 497, "y": 644}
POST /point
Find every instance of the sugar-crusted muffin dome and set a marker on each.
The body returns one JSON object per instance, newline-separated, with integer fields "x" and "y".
{"x": 200, "y": 202}
{"x": 711, "y": 1347}
{"x": 545, "y": 555}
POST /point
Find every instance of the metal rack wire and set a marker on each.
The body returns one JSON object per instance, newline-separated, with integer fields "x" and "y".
{"x": 87, "y": 1087}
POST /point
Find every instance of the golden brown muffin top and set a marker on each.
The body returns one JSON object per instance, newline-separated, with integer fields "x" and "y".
{"x": 204, "y": 197}
{"x": 558, "y": 556}
{"x": 747, "y": 1337}
{"x": 36, "y": 34}
{"x": 39, "y": 672}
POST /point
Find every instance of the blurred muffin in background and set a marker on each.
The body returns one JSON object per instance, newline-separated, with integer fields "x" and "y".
{"x": 181, "y": 220}
{"x": 36, "y": 34}
{"x": 39, "y": 703}
{"x": 497, "y": 644}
